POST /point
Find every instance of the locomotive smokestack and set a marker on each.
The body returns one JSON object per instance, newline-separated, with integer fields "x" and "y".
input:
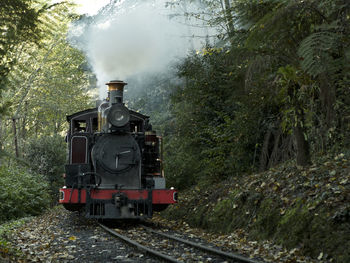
{"x": 116, "y": 88}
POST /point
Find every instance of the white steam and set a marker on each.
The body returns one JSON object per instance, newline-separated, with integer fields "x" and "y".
{"x": 133, "y": 40}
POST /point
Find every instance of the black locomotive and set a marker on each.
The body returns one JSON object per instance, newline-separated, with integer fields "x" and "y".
{"x": 115, "y": 162}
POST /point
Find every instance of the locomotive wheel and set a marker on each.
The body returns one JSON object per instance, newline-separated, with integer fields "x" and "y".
{"x": 73, "y": 207}
{"x": 160, "y": 207}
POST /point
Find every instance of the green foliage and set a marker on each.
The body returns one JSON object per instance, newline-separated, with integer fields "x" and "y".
{"x": 319, "y": 51}
{"x": 46, "y": 78}
{"x": 283, "y": 79}
{"x": 22, "y": 193}
{"x": 19, "y": 22}
{"x": 48, "y": 81}
{"x": 182, "y": 168}
{"x": 296, "y": 89}
{"x": 47, "y": 156}
{"x": 213, "y": 129}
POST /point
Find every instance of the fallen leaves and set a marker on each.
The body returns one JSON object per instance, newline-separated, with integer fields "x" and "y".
{"x": 238, "y": 242}
{"x": 73, "y": 238}
{"x": 323, "y": 189}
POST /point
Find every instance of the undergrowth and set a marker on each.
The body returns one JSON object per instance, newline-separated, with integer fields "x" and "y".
{"x": 305, "y": 208}
{"x": 22, "y": 193}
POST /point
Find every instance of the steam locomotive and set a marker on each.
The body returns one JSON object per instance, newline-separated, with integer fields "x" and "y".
{"x": 115, "y": 162}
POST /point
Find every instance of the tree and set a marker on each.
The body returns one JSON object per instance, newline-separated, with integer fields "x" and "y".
{"x": 268, "y": 95}
{"x": 307, "y": 41}
{"x": 19, "y": 26}
{"x": 48, "y": 81}
{"x": 47, "y": 156}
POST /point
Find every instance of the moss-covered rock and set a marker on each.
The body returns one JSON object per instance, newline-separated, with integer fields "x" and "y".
{"x": 293, "y": 227}
{"x": 266, "y": 222}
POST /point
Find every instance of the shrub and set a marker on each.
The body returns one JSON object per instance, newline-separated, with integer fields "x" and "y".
{"x": 22, "y": 193}
{"x": 47, "y": 156}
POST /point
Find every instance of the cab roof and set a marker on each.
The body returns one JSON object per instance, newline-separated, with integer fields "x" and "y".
{"x": 94, "y": 110}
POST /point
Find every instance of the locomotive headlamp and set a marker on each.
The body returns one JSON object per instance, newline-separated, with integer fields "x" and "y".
{"x": 118, "y": 115}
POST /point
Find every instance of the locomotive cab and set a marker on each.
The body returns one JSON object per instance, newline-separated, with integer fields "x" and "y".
{"x": 115, "y": 164}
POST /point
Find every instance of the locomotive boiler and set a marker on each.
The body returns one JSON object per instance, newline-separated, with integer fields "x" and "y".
{"x": 115, "y": 162}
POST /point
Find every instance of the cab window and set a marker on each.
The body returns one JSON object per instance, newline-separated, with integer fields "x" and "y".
{"x": 79, "y": 126}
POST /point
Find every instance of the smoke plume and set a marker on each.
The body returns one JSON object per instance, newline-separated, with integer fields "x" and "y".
{"x": 133, "y": 37}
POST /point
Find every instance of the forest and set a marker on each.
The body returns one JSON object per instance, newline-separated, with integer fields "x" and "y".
{"x": 270, "y": 85}
{"x": 40, "y": 73}
{"x": 275, "y": 87}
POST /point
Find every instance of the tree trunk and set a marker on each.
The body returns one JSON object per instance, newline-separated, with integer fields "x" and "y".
{"x": 15, "y": 137}
{"x": 1, "y": 134}
{"x": 189, "y": 30}
{"x": 229, "y": 20}
{"x": 1, "y": 139}
{"x": 328, "y": 98}
{"x": 24, "y": 122}
{"x": 264, "y": 155}
{"x": 303, "y": 147}
{"x": 275, "y": 155}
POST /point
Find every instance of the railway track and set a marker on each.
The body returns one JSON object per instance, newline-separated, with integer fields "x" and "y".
{"x": 171, "y": 248}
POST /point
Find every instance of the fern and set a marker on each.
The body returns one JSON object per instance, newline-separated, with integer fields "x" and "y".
{"x": 319, "y": 51}
{"x": 283, "y": 27}
{"x": 258, "y": 66}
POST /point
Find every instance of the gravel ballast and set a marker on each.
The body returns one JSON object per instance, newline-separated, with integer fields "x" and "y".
{"x": 63, "y": 236}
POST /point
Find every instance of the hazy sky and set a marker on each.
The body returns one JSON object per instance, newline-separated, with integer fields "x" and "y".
{"x": 90, "y": 6}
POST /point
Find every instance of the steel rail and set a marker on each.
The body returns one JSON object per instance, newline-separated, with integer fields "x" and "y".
{"x": 204, "y": 248}
{"x": 139, "y": 246}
